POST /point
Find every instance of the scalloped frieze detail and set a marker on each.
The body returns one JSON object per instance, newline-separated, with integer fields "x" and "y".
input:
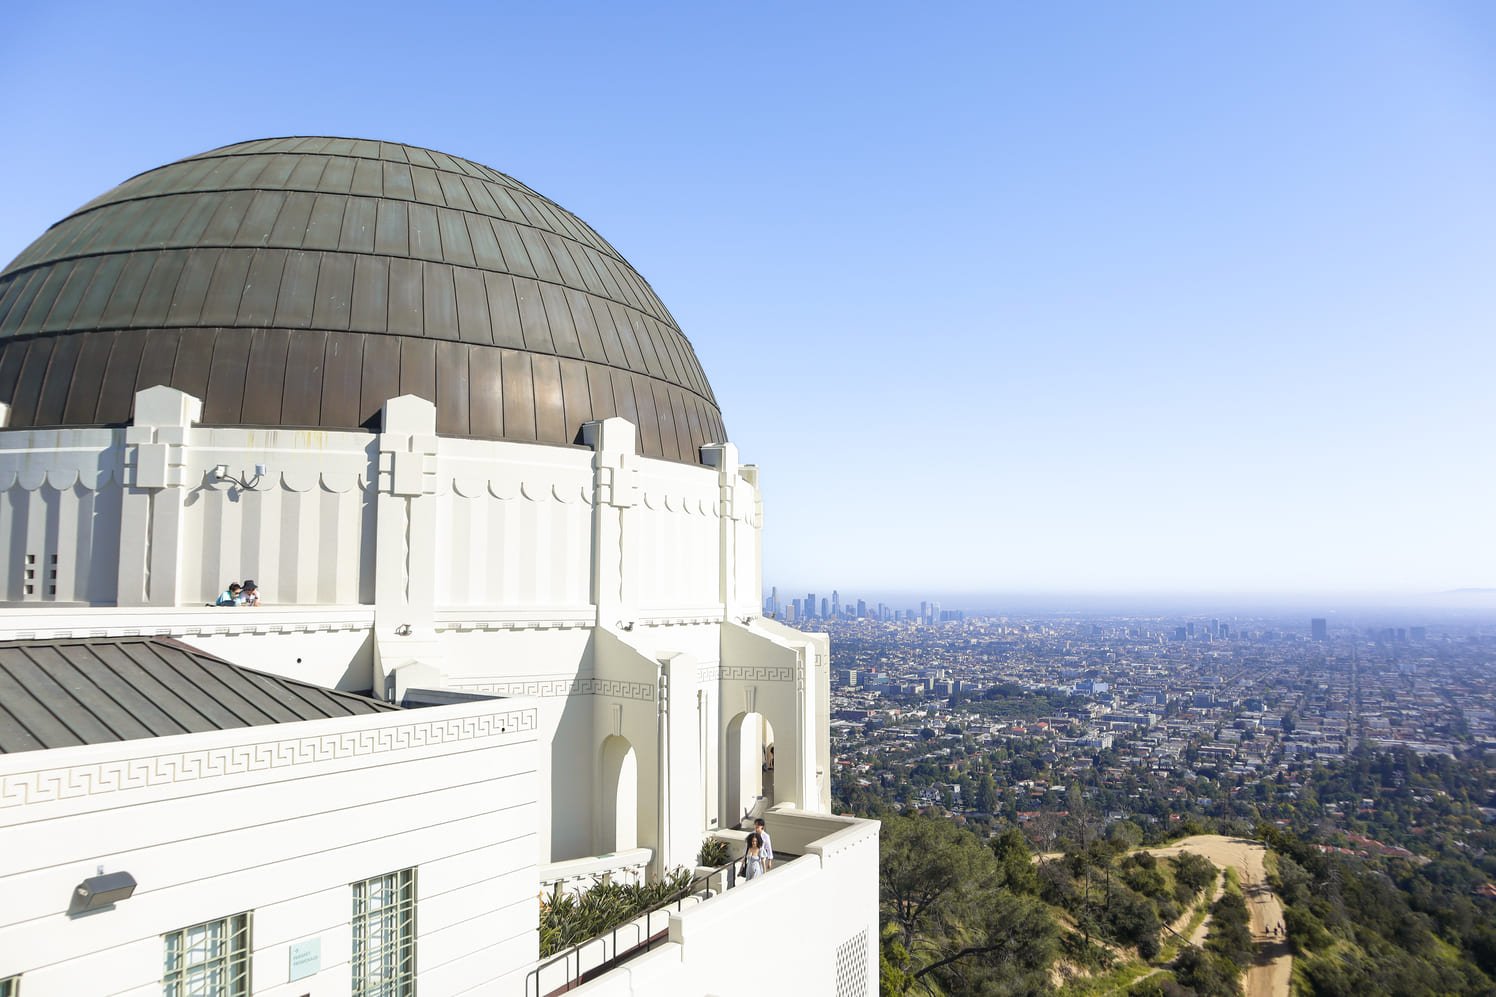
{"x": 503, "y": 489}
{"x": 340, "y": 481}
{"x": 63, "y": 478}
{"x": 298, "y": 479}
{"x": 469, "y": 485}
{"x": 681, "y": 503}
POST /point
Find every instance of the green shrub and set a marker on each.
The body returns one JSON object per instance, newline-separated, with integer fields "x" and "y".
{"x": 713, "y": 853}
{"x": 569, "y": 919}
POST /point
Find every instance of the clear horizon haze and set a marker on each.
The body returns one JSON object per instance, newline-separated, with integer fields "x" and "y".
{"x": 1002, "y": 298}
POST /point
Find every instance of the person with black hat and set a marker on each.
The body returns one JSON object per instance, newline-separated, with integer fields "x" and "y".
{"x": 250, "y": 594}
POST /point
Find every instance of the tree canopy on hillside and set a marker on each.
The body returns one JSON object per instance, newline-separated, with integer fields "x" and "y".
{"x": 951, "y": 922}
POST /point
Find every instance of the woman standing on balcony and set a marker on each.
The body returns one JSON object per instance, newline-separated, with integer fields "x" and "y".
{"x": 753, "y": 858}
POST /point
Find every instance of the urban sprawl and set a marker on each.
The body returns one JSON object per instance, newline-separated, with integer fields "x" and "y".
{"x": 1150, "y": 719}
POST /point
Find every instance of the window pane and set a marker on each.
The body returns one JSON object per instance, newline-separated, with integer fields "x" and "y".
{"x": 384, "y": 936}
{"x": 208, "y": 960}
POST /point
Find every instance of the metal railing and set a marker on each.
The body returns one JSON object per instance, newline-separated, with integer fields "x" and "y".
{"x": 575, "y": 975}
{"x": 579, "y": 875}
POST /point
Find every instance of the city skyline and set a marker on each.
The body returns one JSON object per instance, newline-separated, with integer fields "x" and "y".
{"x": 1157, "y": 301}
{"x": 1470, "y": 606}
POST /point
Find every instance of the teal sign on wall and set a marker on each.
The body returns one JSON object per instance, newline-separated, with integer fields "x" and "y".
{"x": 306, "y": 958}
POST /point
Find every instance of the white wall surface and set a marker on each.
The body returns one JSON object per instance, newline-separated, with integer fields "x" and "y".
{"x": 807, "y": 927}
{"x": 279, "y": 820}
{"x": 60, "y": 497}
{"x": 515, "y": 524}
{"x": 674, "y": 542}
{"x": 504, "y": 566}
{"x": 140, "y": 516}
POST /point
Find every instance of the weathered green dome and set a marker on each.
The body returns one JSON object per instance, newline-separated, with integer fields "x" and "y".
{"x": 300, "y": 282}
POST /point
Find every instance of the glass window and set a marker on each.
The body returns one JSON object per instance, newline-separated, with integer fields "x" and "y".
{"x": 384, "y": 936}
{"x": 208, "y": 960}
{"x": 10, "y": 986}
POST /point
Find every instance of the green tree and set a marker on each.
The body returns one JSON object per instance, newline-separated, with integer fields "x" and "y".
{"x": 1015, "y": 863}
{"x": 1194, "y": 872}
{"x": 948, "y": 921}
{"x": 987, "y": 798}
{"x": 1230, "y": 937}
{"x": 928, "y": 871}
{"x": 1206, "y": 974}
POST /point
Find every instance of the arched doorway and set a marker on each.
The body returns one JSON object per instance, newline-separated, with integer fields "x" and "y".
{"x": 619, "y": 822}
{"x": 749, "y": 758}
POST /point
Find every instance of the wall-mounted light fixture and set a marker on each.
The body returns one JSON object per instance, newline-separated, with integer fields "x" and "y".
{"x": 221, "y": 473}
{"x": 626, "y": 626}
{"x": 403, "y": 630}
{"x": 101, "y": 892}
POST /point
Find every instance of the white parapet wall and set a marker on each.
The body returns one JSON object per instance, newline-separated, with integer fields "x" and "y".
{"x": 278, "y": 821}
{"x": 165, "y": 512}
{"x": 810, "y": 926}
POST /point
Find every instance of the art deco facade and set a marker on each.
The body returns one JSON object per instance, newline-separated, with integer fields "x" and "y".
{"x": 475, "y": 468}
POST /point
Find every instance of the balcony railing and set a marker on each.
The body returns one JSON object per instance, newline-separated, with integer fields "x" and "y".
{"x": 580, "y": 875}
{"x": 584, "y": 961}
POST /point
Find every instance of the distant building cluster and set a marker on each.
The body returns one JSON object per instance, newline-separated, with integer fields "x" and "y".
{"x": 795, "y": 610}
{"x": 917, "y": 711}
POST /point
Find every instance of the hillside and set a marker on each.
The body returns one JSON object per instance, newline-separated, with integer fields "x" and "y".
{"x": 1374, "y": 926}
{"x": 964, "y": 916}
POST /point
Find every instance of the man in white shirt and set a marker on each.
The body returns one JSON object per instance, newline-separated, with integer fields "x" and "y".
{"x": 767, "y": 848}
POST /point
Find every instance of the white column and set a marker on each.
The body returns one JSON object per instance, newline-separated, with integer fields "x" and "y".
{"x": 405, "y": 548}
{"x": 615, "y": 493}
{"x": 755, "y": 523}
{"x": 151, "y": 503}
{"x": 724, "y": 457}
{"x": 680, "y": 802}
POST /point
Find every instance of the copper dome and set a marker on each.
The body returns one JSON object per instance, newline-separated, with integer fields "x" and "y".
{"x": 301, "y": 282}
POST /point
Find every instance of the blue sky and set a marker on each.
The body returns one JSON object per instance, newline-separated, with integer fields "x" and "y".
{"x": 1043, "y": 298}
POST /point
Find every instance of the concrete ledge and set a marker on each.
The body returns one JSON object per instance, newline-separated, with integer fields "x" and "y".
{"x": 40, "y": 622}
{"x": 594, "y": 867}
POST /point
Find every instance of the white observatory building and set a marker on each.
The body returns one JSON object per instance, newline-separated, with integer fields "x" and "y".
{"x": 509, "y": 639}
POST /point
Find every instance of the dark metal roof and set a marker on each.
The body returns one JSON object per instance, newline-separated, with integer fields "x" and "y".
{"x": 415, "y": 699}
{"x": 58, "y": 693}
{"x": 301, "y": 282}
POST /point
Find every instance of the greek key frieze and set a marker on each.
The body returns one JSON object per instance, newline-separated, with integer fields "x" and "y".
{"x": 121, "y": 775}
{"x": 549, "y": 688}
{"x": 757, "y": 673}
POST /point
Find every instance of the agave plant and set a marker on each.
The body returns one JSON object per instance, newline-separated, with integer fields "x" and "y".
{"x": 713, "y": 853}
{"x": 568, "y": 919}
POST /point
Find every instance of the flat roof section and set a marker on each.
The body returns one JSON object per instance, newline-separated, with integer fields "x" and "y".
{"x": 61, "y": 693}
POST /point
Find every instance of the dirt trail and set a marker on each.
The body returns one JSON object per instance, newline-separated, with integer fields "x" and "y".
{"x": 1271, "y": 969}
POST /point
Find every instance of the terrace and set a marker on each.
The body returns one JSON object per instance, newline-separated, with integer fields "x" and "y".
{"x": 819, "y": 867}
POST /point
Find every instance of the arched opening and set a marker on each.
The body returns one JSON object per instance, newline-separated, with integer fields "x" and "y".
{"x": 619, "y": 825}
{"x": 750, "y": 759}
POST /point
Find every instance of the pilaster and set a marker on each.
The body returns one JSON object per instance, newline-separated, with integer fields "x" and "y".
{"x": 681, "y": 768}
{"x": 615, "y": 484}
{"x": 405, "y": 549}
{"x": 724, "y": 457}
{"x": 151, "y": 501}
